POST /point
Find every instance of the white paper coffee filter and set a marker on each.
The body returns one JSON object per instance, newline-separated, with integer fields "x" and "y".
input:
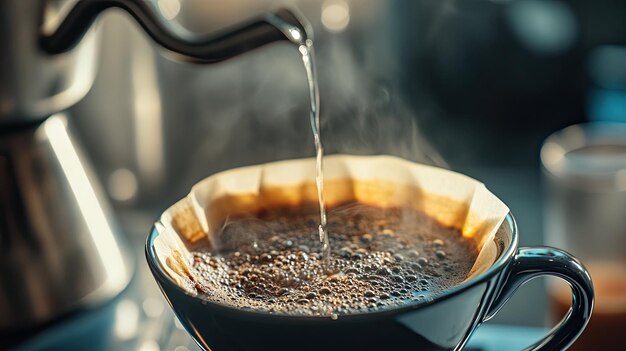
{"x": 453, "y": 199}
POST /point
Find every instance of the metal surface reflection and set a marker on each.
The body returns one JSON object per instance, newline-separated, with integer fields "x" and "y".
{"x": 34, "y": 84}
{"x": 98, "y": 226}
{"x": 147, "y": 117}
{"x": 60, "y": 249}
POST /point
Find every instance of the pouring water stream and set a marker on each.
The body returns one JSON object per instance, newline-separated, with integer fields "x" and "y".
{"x": 305, "y": 46}
{"x": 308, "y": 57}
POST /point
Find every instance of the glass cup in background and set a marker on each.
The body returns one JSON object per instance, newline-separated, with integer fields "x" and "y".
{"x": 584, "y": 171}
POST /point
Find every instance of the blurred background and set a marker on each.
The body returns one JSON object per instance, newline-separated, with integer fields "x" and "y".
{"x": 471, "y": 85}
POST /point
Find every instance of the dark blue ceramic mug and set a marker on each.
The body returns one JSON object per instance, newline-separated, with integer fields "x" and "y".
{"x": 444, "y": 322}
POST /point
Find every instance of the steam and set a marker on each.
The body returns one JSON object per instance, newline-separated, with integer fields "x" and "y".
{"x": 254, "y": 109}
{"x": 365, "y": 115}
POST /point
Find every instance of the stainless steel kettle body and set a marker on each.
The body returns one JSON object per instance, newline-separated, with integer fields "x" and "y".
{"x": 60, "y": 250}
{"x": 33, "y": 83}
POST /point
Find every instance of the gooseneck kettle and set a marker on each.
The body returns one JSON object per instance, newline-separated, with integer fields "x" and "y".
{"x": 60, "y": 248}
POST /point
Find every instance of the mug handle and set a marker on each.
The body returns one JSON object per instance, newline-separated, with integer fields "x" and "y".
{"x": 533, "y": 262}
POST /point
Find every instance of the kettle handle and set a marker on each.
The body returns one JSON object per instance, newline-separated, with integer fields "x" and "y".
{"x": 280, "y": 25}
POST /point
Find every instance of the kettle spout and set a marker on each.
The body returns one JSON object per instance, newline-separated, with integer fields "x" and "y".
{"x": 280, "y": 25}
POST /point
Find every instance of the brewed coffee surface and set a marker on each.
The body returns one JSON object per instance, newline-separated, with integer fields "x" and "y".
{"x": 381, "y": 258}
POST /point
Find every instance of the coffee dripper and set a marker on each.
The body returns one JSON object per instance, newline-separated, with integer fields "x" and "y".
{"x": 60, "y": 248}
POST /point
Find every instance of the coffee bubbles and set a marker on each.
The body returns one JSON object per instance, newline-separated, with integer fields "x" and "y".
{"x": 381, "y": 258}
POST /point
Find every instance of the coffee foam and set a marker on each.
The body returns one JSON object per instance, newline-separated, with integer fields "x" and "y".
{"x": 453, "y": 199}
{"x": 381, "y": 258}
